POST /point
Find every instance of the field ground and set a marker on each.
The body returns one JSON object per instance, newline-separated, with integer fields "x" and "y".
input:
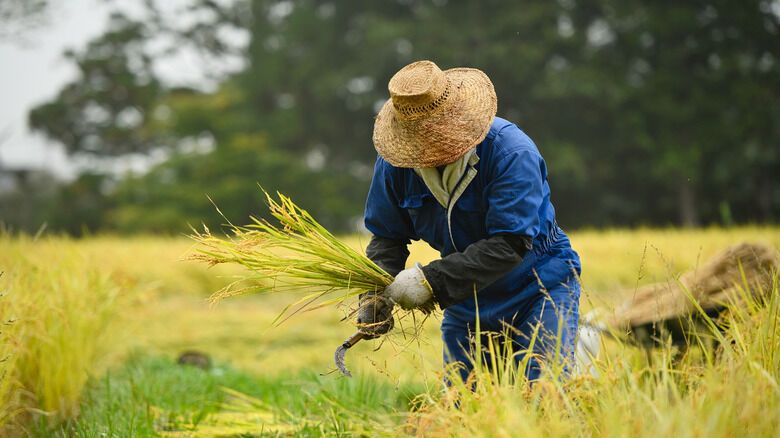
{"x": 94, "y": 327}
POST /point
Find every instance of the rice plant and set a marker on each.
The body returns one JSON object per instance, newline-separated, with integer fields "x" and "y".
{"x": 57, "y": 314}
{"x": 50, "y": 284}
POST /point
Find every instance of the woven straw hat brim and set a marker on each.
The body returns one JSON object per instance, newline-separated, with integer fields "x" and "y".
{"x": 445, "y": 134}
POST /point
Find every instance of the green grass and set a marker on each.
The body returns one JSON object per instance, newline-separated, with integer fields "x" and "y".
{"x": 150, "y": 395}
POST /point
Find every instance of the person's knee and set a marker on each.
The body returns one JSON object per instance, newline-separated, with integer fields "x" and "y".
{"x": 549, "y": 332}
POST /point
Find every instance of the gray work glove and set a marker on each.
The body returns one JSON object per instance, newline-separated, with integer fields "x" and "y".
{"x": 411, "y": 290}
{"x": 375, "y": 315}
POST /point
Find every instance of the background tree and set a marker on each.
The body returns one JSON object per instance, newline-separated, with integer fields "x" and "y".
{"x": 696, "y": 104}
{"x": 647, "y": 113}
{"x": 107, "y": 110}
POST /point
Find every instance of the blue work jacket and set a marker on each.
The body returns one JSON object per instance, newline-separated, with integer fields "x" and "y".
{"x": 508, "y": 195}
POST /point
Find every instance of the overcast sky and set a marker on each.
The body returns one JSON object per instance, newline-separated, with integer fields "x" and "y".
{"x": 33, "y": 71}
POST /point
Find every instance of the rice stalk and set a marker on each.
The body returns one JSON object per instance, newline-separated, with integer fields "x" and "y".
{"x": 296, "y": 256}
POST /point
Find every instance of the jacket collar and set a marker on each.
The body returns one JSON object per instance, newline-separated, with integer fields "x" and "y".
{"x": 443, "y": 185}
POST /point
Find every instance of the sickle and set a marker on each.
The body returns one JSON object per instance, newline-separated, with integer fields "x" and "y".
{"x": 342, "y": 350}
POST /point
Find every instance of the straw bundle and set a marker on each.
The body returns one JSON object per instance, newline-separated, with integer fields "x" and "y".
{"x": 711, "y": 287}
{"x": 299, "y": 256}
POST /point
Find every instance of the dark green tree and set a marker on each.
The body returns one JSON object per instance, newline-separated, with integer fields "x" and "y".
{"x": 697, "y": 85}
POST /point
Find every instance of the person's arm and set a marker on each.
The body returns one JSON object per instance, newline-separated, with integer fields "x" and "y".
{"x": 390, "y": 225}
{"x": 383, "y": 216}
{"x": 391, "y": 229}
{"x": 515, "y": 193}
{"x": 455, "y": 277}
{"x": 389, "y": 254}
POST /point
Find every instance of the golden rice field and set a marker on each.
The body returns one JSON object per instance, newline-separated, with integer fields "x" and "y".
{"x": 91, "y": 329}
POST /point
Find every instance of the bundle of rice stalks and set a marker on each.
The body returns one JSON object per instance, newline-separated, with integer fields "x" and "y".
{"x": 299, "y": 255}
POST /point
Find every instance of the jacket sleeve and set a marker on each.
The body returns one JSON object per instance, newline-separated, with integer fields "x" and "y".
{"x": 454, "y": 278}
{"x": 389, "y": 223}
{"x": 389, "y": 254}
{"x": 383, "y": 216}
{"x": 515, "y": 193}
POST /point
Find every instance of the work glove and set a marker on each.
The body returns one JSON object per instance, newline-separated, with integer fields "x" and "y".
{"x": 411, "y": 290}
{"x": 375, "y": 315}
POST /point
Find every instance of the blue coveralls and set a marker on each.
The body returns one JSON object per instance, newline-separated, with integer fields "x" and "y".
{"x": 509, "y": 195}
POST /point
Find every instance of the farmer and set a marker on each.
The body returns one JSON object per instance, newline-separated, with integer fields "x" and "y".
{"x": 474, "y": 187}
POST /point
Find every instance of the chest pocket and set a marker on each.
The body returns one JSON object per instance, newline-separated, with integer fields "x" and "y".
{"x": 427, "y": 217}
{"x": 414, "y": 204}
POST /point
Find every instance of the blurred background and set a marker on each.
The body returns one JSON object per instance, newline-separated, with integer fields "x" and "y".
{"x": 122, "y": 116}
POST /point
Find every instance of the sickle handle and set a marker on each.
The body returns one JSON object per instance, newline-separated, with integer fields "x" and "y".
{"x": 354, "y": 339}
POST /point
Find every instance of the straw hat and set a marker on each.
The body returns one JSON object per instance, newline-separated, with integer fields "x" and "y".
{"x": 433, "y": 117}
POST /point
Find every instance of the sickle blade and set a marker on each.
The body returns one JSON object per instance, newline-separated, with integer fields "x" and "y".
{"x": 339, "y": 358}
{"x": 342, "y": 351}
